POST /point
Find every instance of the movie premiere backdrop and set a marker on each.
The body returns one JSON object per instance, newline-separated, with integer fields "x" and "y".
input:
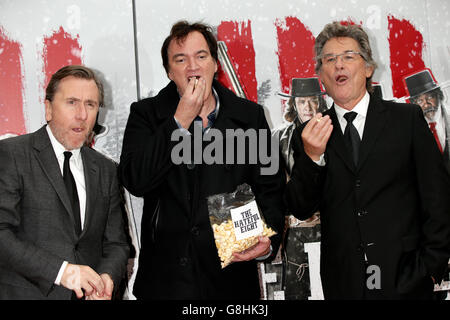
{"x": 267, "y": 43}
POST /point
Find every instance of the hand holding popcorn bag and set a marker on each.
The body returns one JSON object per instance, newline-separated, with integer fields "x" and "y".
{"x": 236, "y": 222}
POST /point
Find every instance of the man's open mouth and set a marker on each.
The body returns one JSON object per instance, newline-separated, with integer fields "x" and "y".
{"x": 78, "y": 130}
{"x": 340, "y": 79}
{"x": 193, "y": 77}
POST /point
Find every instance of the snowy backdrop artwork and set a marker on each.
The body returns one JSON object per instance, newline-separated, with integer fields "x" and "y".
{"x": 268, "y": 43}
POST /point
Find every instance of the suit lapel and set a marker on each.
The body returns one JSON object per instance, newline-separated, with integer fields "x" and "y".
{"x": 47, "y": 160}
{"x": 91, "y": 177}
{"x": 337, "y": 142}
{"x": 375, "y": 123}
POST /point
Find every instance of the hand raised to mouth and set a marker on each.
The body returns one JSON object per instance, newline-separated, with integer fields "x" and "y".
{"x": 195, "y": 78}
{"x": 191, "y": 102}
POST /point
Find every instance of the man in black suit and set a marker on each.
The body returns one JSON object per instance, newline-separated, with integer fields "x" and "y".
{"x": 61, "y": 228}
{"x": 385, "y": 219}
{"x": 178, "y": 257}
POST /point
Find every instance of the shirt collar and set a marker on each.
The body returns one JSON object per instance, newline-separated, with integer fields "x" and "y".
{"x": 214, "y": 114}
{"x": 59, "y": 148}
{"x": 360, "y": 108}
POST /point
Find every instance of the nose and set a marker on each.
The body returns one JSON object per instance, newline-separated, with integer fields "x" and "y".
{"x": 308, "y": 106}
{"x": 81, "y": 112}
{"x": 339, "y": 62}
{"x": 192, "y": 63}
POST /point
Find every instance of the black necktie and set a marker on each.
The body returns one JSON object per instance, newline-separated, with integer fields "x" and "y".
{"x": 352, "y": 136}
{"x": 71, "y": 187}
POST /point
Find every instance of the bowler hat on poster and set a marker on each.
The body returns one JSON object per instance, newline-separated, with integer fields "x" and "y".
{"x": 420, "y": 82}
{"x": 304, "y": 87}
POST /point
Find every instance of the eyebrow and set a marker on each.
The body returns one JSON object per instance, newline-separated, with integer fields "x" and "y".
{"x": 76, "y": 99}
{"x": 183, "y": 54}
{"x": 91, "y": 101}
{"x": 346, "y": 51}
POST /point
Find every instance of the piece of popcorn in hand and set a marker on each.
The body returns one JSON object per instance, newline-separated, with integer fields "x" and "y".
{"x": 227, "y": 244}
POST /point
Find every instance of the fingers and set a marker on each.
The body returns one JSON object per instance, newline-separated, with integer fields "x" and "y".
{"x": 108, "y": 289}
{"x": 262, "y": 248}
{"x": 327, "y": 134}
{"x": 78, "y": 292}
{"x": 81, "y": 278}
{"x": 318, "y": 124}
{"x": 316, "y": 134}
{"x": 191, "y": 102}
{"x": 199, "y": 90}
{"x": 196, "y": 86}
{"x": 108, "y": 283}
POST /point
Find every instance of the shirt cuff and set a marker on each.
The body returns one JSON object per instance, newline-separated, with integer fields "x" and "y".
{"x": 321, "y": 161}
{"x": 266, "y": 256}
{"x": 183, "y": 130}
{"x": 61, "y": 272}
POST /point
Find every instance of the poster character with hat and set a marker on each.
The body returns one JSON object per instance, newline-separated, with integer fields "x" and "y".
{"x": 425, "y": 91}
{"x": 305, "y": 101}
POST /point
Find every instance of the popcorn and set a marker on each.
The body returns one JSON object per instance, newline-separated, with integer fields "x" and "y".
{"x": 236, "y": 221}
{"x": 226, "y": 242}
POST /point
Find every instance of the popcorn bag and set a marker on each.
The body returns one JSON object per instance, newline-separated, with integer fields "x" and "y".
{"x": 236, "y": 222}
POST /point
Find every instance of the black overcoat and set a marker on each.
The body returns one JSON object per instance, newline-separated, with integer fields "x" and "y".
{"x": 178, "y": 258}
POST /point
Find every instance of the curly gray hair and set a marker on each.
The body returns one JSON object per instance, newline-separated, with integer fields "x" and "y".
{"x": 339, "y": 30}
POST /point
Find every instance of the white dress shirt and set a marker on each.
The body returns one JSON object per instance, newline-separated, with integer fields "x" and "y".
{"x": 76, "y": 166}
{"x": 360, "y": 120}
{"x": 440, "y": 125}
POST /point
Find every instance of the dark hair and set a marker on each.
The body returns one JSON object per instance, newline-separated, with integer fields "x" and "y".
{"x": 291, "y": 110}
{"x": 76, "y": 71}
{"x": 339, "y": 30}
{"x": 180, "y": 31}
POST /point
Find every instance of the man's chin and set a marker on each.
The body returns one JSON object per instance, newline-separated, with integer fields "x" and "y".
{"x": 430, "y": 113}
{"x": 74, "y": 144}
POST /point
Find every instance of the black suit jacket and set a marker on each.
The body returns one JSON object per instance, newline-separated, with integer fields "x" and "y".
{"x": 37, "y": 226}
{"x": 393, "y": 207}
{"x": 178, "y": 257}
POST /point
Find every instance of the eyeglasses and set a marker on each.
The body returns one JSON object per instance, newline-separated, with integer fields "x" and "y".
{"x": 426, "y": 98}
{"x": 347, "y": 57}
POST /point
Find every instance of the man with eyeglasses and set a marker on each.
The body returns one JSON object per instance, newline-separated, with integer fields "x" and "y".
{"x": 385, "y": 221}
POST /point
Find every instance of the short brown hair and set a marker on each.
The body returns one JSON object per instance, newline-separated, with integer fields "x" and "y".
{"x": 337, "y": 29}
{"x": 180, "y": 31}
{"x": 76, "y": 71}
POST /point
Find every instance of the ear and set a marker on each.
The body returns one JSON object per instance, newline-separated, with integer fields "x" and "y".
{"x": 48, "y": 110}
{"x": 216, "y": 67}
{"x": 169, "y": 75}
{"x": 369, "y": 71}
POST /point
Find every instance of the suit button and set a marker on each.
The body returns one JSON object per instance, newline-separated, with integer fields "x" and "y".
{"x": 183, "y": 261}
{"x": 358, "y": 183}
{"x": 76, "y": 247}
{"x": 362, "y": 213}
{"x": 190, "y": 166}
{"x": 195, "y": 231}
